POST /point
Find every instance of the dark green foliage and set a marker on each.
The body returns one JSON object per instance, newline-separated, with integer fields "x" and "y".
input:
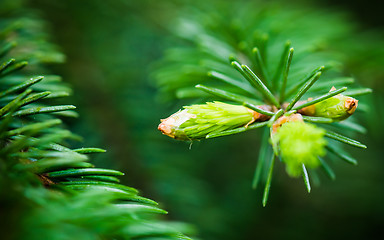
{"x": 47, "y": 190}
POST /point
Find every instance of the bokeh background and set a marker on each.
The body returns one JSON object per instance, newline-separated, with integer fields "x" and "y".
{"x": 112, "y": 49}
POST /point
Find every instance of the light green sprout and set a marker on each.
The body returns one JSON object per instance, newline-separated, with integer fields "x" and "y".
{"x": 300, "y": 143}
{"x": 197, "y": 121}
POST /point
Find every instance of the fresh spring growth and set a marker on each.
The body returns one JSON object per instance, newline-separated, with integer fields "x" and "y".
{"x": 338, "y": 107}
{"x": 300, "y": 143}
{"x": 197, "y": 121}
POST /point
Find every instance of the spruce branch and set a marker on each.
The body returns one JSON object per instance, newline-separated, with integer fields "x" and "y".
{"x": 298, "y": 128}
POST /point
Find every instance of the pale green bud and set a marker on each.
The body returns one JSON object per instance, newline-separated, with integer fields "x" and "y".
{"x": 300, "y": 143}
{"x": 197, "y": 121}
{"x": 338, "y": 107}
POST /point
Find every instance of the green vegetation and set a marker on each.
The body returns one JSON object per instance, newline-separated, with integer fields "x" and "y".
{"x": 127, "y": 64}
{"x": 50, "y": 191}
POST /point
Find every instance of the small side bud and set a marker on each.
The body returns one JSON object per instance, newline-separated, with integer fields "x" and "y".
{"x": 338, "y": 107}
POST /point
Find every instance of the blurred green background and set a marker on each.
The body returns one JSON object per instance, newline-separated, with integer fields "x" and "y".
{"x": 112, "y": 48}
